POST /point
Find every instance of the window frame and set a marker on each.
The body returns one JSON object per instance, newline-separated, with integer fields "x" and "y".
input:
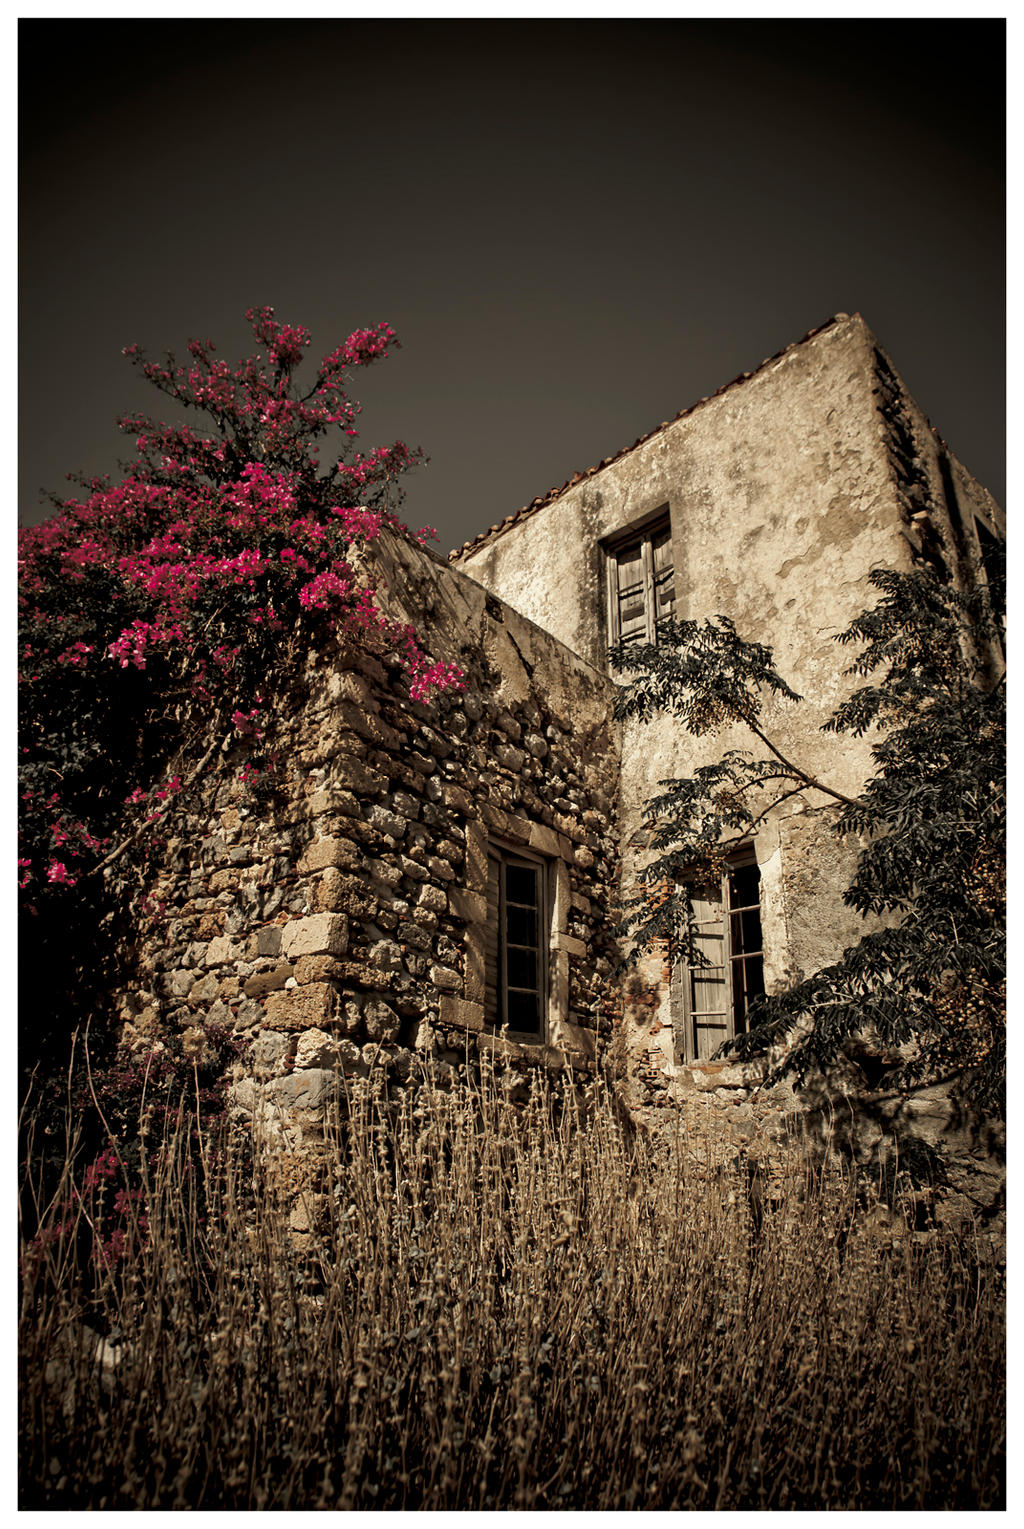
{"x": 640, "y": 534}
{"x": 504, "y": 855}
{"x": 685, "y": 1013}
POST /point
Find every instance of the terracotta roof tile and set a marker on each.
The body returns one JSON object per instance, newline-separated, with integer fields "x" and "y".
{"x": 555, "y": 493}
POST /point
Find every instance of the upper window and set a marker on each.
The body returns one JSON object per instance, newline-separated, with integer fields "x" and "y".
{"x": 641, "y": 582}
{"x": 516, "y": 953}
{"x": 714, "y": 998}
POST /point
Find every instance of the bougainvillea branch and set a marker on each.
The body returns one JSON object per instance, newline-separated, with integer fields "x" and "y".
{"x": 177, "y": 588}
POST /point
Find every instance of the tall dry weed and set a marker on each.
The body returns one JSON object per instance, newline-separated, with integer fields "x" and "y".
{"x": 502, "y": 1305}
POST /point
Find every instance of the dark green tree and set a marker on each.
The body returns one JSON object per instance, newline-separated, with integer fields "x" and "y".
{"x": 932, "y": 822}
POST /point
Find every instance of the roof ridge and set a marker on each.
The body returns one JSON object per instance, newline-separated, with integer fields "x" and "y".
{"x": 555, "y": 493}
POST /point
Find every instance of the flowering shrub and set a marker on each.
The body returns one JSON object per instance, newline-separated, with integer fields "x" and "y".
{"x": 157, "y": 602}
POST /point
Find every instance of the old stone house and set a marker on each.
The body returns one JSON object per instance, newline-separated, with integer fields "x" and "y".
{"x": 433, "y": 881}
{"x": 768, "y": 502}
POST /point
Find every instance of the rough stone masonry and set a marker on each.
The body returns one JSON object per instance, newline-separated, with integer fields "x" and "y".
{"x": 343, "y": 923}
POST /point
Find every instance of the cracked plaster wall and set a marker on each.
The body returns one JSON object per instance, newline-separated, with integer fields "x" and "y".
{"x": 783, "y": 492}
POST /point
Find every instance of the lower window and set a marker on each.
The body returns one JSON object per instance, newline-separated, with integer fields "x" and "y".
{"x": 517, "y": 942}
{"x": 711, "y": 1001}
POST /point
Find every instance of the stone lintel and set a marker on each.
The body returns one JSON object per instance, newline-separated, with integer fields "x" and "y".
{"x": 543, "y": 840}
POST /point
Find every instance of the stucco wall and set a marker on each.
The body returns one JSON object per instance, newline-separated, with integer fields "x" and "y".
{"x": 783, "y": 492}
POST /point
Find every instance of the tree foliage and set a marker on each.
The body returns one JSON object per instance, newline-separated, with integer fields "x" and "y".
{"x": 929, "y": 981}
{"x": 153, "y": 607}
{"x": 150, "y": 604}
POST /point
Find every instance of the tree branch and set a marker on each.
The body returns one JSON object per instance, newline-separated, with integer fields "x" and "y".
{"x": 115, "y": 854}
{"x": 797, "y": 773}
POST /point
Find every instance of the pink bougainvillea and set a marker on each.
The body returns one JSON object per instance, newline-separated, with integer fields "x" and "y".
{"x": 176, "y": 586}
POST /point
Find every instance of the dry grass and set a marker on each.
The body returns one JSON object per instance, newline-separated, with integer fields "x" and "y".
{"x": 506, "y": 1306}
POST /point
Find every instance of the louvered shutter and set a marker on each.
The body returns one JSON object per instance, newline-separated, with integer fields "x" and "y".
{"x": 631, "y": 604}
{"x": 709, "y": 993}
{"x": 664, "y": 576}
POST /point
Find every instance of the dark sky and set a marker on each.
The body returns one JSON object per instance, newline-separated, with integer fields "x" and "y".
{"x": 576, "y": 227}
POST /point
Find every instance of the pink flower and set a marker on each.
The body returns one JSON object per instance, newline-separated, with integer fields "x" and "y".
{"x": 245, "y": 722}
{"x": 58, "y": 872}
{"x": 323, "y": 591}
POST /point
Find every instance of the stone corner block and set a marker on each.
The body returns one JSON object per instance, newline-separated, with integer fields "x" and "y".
{"x": 302, "y": 1008}
{"x": 322, "y": 934}
{"x": 321, "y": 854}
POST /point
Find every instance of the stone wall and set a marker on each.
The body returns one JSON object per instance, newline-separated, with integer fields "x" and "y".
{"x": 335, "y": 917}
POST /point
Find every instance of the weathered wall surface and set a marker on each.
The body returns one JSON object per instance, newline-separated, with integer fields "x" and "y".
{"x": 783, "y": 492}
{"x": 944, "y": 511}
{"x": 339, "y": 922}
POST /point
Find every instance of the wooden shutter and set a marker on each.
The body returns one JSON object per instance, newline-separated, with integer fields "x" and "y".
{"x": 641, "y": 584}
{"x": 664, "y": 593}
{"x": 716, "y": 996}
{"x": 708, "y": 991}
{"x": 631, "y": 594}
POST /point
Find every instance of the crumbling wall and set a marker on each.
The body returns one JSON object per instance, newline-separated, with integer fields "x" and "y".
{"x": 335, "y": 915}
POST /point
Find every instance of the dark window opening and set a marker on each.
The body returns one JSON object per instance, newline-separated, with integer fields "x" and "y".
{"x": 517, "y": 943}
